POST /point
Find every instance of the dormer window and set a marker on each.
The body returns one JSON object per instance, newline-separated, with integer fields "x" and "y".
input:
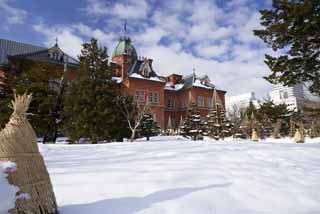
{"x": 145, "y": 72}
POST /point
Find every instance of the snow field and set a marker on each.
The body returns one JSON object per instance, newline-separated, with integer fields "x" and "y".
{"x": 173, "y": 175}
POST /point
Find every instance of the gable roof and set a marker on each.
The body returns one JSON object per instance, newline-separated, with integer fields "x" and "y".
{"x": 135, "y": 71}
{"x": 52, "y": 55}
{"x": 8, "y": 47}
{"x": 192, "y": 80}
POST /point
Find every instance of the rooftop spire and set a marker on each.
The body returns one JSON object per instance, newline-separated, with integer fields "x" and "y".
{"x": 125, "y": 27}
{"x": 56, "y": 45}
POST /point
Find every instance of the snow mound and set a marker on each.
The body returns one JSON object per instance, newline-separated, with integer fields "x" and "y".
{"x": 7, "y": 191}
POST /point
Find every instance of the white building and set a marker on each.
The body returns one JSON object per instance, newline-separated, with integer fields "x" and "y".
{"x": 295, "y": 96}
{"x": 237, "y": 104}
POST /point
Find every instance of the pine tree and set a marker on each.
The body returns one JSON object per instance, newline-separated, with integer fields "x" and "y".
{"x": 193, "y": 125}
{"x": 293, "y": 26}
{"x": 266, "y": 127}
{"x": 213, "y": 126}
{"x": 89, "y": 105}
{"x": 33, "y": 77}
{"x": 225, "y": 125}
{"x": 148, "y": 127}
{"x": 276, "y": 129}
{"x": 245, "y": 127}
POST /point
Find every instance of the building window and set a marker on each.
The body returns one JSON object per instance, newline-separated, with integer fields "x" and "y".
{"x": 145, "y": 72}
{"x": 153, "y": 97}
{"x": 209, "y": 102}
{"x": 200, "y": 101}
{"x": 170, "y": 103}
{"x": 281, "y": 94}
{"x": 184, "y": 103}
{"x": 285, "y": 95}
{"x": 140, "y": 96}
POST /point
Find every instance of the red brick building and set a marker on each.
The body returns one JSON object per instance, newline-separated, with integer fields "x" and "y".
{"x": 168, "y": 97}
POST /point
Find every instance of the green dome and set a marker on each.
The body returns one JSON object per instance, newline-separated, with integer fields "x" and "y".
{"x": 125, "y": 47}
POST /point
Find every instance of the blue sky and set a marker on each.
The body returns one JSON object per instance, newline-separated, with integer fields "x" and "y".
{"x": 213, "y": 36}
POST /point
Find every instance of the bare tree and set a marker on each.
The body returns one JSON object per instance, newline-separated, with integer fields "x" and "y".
{"x": 133, "y": 112}
{"x": 235, "y": 115}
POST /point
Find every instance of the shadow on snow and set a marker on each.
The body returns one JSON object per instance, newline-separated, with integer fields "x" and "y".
{"x": 130, "y": 205}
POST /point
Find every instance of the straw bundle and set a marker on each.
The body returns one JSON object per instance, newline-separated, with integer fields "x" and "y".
{"x": 254, "y": 136}
{"x": 298, "y": 136}
{"x": 18, "y": 144}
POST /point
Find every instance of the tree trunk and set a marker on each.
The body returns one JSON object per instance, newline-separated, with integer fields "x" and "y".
{"x": 133, "y": 134}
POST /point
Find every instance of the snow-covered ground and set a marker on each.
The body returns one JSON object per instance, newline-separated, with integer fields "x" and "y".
{"x": 170, "y": 175}
{"x": 7, "y": 191}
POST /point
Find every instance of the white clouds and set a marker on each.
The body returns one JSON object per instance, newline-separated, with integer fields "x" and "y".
{"x": 149, "y": 37}
{"x": 180, "y": 35}
{"x": 205, "y": 12}
{"x": 202, "y": 35}
{"x": 88, "y": 32}
{"x": 209, "y": 51}
{"x": 132, "y": 9}
{"x": 12, "y": 15}
{"x": 69, "y": 42}
{"x": 234, "y": 76}
{"x": 71, "y": 37}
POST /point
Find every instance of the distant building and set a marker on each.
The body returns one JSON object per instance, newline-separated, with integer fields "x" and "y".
{"x": 10, "y": 48}
{"x": 18, "y": 54}
{"x": 236, "y": 105}
{"x": 296, "y": 97}
{"x": 170, "y": 96}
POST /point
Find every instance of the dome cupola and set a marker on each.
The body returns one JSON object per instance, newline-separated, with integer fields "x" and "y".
{"x": 125, "y": 47}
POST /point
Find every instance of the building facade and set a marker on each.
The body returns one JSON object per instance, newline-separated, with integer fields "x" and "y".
{"x": 296, "y": 97}
{"x": 168, "y": 97}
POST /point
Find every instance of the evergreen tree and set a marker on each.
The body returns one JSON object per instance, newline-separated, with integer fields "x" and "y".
{"x": 225, "y": 125}
{"x": 276, "y": 129}
{"x": 32, "y": 77}
{"x": 293, "y": 26}
{"x": 148, "y": 127}
{"x": 213, "y": 126}
{"x": 89, "y": 105}
{"x": 193, "y": 126}
{"x": 266, "y": 127}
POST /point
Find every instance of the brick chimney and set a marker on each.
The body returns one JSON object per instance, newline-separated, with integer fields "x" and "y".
{"x": 124, "y": 66}
{"x": 173, "y": 79}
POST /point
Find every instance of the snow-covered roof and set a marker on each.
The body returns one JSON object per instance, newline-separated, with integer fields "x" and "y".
{"x": 117, "y": 79}
{"x": 176, "y": 87}
{"x": 198, "y": 83}
{"x": 139, "y": 76}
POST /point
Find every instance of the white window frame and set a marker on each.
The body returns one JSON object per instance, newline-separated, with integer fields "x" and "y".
{"x": 171, "y": 103}
{"x": 200, "y": 101}
{"x": 140, "y": 96}
{"x": 209, "y": 102}
{"x": 153, "y": 97}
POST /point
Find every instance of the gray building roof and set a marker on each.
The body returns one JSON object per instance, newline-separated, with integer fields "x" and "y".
{"x": 8, "y": 47}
